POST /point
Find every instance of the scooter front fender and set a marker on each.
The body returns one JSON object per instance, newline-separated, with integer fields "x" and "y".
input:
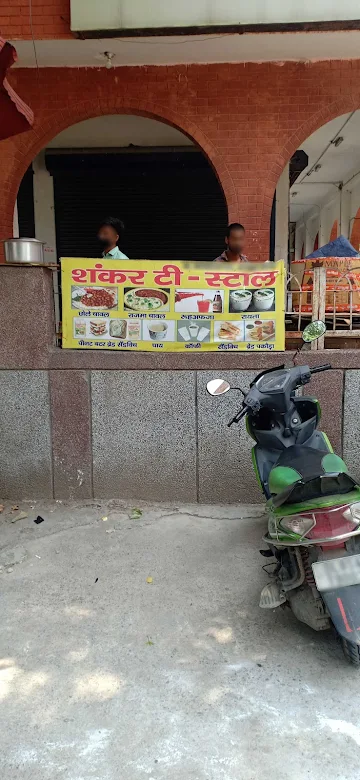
{"x": 343, "y": 606}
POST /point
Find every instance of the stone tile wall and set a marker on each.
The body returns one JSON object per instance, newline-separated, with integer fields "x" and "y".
{"x": 25, "y": 435}
{"x": 153, "y": 435}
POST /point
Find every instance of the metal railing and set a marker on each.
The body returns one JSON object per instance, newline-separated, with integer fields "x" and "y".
{"x": 325, "y": 294}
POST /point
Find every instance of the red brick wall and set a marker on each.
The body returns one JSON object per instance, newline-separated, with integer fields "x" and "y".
{"x": 50, "y": 19}
{"x": 248, "y": 119}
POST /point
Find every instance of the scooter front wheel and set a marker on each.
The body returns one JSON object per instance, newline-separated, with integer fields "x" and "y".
{"x": 351, "y": 652}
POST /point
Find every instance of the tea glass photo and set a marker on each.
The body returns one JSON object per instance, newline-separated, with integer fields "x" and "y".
{"x": 157, "y": 330}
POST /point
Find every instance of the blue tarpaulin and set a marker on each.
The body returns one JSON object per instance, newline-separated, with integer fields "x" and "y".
{"x": 341, "y": 247}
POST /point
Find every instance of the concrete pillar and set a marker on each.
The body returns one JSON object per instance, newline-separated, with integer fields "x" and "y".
{"x": 324, "y": 230}
{"x": 44, "y": 214}
{"x": 309, "y": 241}
{"x": 282, "y": 216}
{"x": 329, "y": 213}
{"x": 16, "y": 222}
{"x": 44, "y": 211}
{"x": 299, "y": 240}
{"x": 311, "y": 227}
{"x": 345, "y": 207}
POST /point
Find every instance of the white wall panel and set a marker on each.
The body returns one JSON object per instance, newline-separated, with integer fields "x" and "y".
{"x": 117, "y": 14}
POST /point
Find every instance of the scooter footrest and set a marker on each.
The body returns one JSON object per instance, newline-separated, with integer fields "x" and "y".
{"x": 271, "y": 596}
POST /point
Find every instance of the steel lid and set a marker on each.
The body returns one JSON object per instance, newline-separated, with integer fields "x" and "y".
{"x": 23, "y": 239}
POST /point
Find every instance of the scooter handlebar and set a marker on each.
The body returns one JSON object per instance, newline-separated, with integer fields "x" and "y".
{"x": 317, "y": 369}
{"x": 301, "y": 377}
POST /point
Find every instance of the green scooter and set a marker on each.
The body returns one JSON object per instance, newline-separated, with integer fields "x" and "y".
{"x": 312, "y": 502}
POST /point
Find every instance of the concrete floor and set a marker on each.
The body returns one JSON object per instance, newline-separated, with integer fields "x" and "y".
{"x": 182, "y": 678}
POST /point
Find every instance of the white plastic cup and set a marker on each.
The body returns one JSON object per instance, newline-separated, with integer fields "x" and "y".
{"x": 203, "y": 332}
{"x": 184, "y": 333}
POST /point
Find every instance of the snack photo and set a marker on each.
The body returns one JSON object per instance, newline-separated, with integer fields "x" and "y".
{"x": 260, "y": 330}
{"x": 99, "y": 327}
{"x": 101, "y": 298}
{"x": 229, "y": 331}
{"x": 146, "y": 299}
{"x": 118, "y": 329}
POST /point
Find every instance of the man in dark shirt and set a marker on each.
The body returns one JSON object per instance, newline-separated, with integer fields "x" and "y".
{"x": 235, "y": 242}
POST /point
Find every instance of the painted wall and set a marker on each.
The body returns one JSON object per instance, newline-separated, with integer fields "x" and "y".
{"x": 51, "y": 18}
{"x": 113, "y": 14}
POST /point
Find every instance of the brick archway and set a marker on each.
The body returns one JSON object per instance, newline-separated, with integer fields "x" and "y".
{"x": 333, "y": 110}
{"x": 23, "y": 149}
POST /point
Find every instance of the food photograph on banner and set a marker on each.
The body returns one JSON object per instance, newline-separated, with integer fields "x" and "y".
{"x": 149, "y": 306}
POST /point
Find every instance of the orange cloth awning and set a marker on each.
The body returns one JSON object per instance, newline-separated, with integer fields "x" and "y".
{"x": 15, "y": 115}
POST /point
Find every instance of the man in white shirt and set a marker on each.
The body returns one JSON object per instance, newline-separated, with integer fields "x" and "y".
{"x": 109, "y": 234}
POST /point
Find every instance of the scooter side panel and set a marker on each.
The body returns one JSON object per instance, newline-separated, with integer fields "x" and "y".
{"x": 343, "y": 605}
{"x": 263, "y": 461}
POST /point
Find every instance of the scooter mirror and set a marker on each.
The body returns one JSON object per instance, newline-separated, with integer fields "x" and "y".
{"x": 217, "y": 386}
{"x": 313, "y": 331}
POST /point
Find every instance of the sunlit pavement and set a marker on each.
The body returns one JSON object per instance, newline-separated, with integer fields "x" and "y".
{"x": 133, "y": 648}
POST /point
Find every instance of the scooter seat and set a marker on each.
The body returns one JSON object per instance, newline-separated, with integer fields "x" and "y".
{"x": 299, "y": 464}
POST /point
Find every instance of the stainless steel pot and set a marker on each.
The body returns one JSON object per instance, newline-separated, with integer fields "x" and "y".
{"x": 24, "y": 250}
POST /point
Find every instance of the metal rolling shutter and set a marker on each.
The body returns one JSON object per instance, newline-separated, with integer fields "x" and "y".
{"x": 171, "y": 203}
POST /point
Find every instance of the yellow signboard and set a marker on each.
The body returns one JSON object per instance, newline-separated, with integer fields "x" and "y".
{"x": 172, "y": 307}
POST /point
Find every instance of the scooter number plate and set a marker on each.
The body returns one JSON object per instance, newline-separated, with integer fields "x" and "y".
{"x": 337, "y": 572}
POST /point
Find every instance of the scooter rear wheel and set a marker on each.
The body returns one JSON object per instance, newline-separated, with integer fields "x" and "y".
{"x": 351, "y": 652}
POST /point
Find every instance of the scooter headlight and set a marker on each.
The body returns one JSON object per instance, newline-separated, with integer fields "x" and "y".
{"x": 298, "y": 524}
